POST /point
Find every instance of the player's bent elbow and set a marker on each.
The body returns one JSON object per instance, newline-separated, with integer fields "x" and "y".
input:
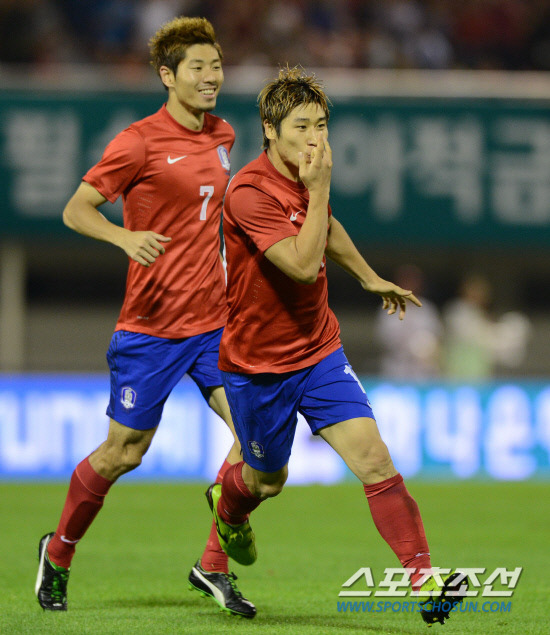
{"x": 310, "y": 278}
{"x": 297, "y": 267}
{"x": 306, "y": 273}
{"x": 310, "y": 273}
{"x": 67, "y": 219}
{"x": 302, "y": 276}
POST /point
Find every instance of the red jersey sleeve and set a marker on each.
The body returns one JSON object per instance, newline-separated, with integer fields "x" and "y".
{"x": 260, "y": 216}
{"x": 120, "y": 165}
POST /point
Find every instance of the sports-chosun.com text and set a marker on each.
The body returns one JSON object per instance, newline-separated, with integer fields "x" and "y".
{"x": 411, "y": 606}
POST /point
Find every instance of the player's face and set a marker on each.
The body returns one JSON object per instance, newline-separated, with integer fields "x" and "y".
{"x": 299, "y": 133}
{"x": 198, "y": 79}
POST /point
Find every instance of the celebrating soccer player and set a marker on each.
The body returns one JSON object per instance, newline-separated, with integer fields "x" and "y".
{"x": 281, "y": 352}
{"x": 172, "y": 170}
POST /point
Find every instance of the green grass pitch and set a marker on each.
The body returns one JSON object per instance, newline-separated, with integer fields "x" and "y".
{"x": 130, "y": 572}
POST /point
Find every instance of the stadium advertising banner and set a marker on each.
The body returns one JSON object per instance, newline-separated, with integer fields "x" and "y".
{"x": 432, "y": 171}
{"x": 499, "y": 431}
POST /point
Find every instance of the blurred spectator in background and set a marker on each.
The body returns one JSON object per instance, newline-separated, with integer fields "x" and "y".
{"x": 410, "y": 349}
{"x": 430, "y": 34}
{"x": 476, "y": 343}
{"x": 493, "y": 34}
{"x": 34, "y": 32}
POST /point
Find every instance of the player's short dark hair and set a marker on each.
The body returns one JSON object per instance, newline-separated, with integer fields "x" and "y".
{"x": 169, "y": 45}
{"x": 292, "y": 88}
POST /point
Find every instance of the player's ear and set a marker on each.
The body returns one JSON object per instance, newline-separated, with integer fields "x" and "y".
{"x": 167, "y": 76}
{"x": 269, "y": 131}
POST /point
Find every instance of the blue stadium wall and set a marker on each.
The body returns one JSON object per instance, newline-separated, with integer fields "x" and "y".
{"x": 493, "y": 431}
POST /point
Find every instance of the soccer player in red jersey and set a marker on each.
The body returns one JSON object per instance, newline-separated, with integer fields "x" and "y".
{"x": 172, "y": 170}
{"x": 281, "y": 352}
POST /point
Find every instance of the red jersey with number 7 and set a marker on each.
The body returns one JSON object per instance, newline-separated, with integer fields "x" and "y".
{"x": 172, "y": 181}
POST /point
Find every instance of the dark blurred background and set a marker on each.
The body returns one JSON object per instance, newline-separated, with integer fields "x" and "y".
{"x": 405, "y": 34}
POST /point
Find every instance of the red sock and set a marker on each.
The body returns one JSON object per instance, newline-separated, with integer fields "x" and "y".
{"x": 236, "y": 501}
{"x": 87, "y": 490}
{"x": 397, "y": 518}
{"x": 214, "y": 557}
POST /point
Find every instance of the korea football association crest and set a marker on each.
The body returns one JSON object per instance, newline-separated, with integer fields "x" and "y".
{"x": 223, "y": 154}
{"x": 128, "y": 397}
{"x": 257, "y": 449}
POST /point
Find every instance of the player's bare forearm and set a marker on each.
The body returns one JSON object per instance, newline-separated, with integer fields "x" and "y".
{"x": 315, "y": 175}
{"x": 300, "y": 257}
{"x": 81, "y": 215}
{"x": 341, "y": 249}
{"x": 311, "y": 240}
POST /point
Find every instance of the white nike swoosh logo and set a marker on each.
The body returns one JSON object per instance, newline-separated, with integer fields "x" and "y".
{"x": 170, "y": 160}
{"x": 70, "y": 542}
{"x": 294, "y": 216}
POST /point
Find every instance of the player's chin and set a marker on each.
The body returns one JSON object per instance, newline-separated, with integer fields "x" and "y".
{"x": 208, "y": 106}
{"x": 208, "y": 102}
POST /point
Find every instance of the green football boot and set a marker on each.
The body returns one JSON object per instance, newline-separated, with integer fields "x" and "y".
{"x": 238, "y": 541}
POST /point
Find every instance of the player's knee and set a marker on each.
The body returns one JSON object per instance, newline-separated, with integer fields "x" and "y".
{"x": 376, "y": 461}
{"x": 131, "y": 459}
{"x": 269, "y": 490}
{"x": 120, "y": 459}
{"x": 272, "y": 485}
{"x": 133, "y": 453}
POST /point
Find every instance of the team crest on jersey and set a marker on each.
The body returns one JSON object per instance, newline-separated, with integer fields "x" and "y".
{"x": 257, "y": 449}
{"x": 224, "y": 158}
{"x": 128, "y": 397}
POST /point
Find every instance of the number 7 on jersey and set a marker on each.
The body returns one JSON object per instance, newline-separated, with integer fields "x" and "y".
{"x": 207, "y": 191}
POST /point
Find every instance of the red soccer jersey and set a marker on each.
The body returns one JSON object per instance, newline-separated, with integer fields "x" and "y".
{"x": 172, "y": 181}
{"x": 275, "y": 325}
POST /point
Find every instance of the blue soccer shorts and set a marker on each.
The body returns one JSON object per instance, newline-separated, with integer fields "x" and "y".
{"x": 265, "y": 406}
{"x": 145, "y": 369}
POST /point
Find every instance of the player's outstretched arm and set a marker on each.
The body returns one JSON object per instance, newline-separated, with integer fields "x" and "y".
{"x": 343, "y": 252}
{"x": 82, "y": 215}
